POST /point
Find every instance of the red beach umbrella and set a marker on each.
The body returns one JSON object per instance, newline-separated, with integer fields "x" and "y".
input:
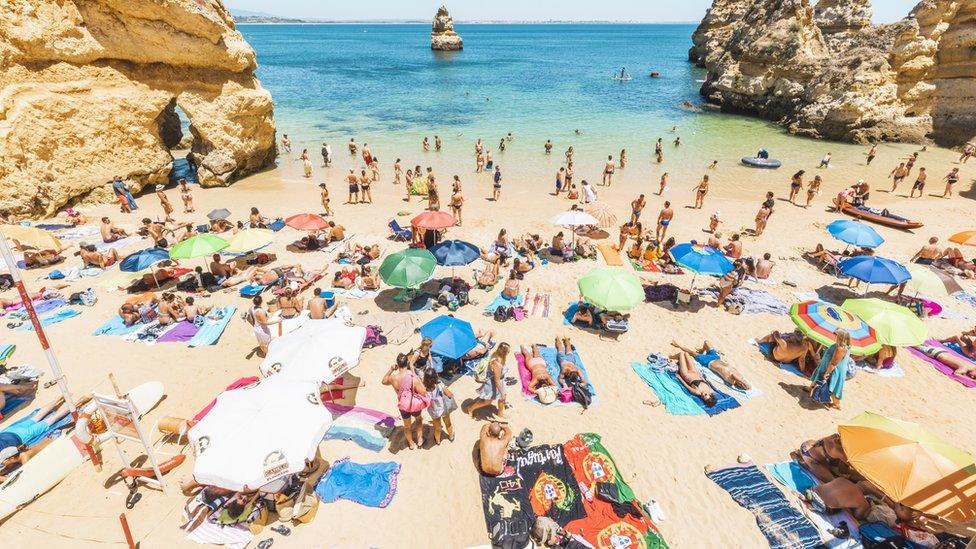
{"x": 307, "y": 222}
{"x": 433, "y": 220}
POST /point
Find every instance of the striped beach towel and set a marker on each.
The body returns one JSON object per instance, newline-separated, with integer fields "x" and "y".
{"x": 366, "y": 427}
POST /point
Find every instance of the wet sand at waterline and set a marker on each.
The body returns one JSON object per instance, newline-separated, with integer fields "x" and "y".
{"x": 438, "y": 503}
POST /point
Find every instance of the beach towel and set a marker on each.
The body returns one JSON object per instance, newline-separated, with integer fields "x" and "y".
{"x": 369, "y": 484}
{"x": 211, "y": 330}
{"x": 502, "y": 301}
{"x": 78, "y": 233}
{"x": 237, "y": 536}
{"x": 366, "y": 427}
{"x": 54, "y": 226}
{"x": 676, "y": 398}
{"x": 469, "y": 366}
{"x": 767, "y": 351}
{"x": 784, "y": 526}
{"x": 610, "y": 255}
{"x": 716, "y": 381}
{"x": 947, "y": 371}
{"x": 183, "y": 331}
{"x": 894, "y": 371}
{"x": 49, "y": 305}
{"x": 6, "y": 351}
{"x": 251, "y": 290}
{"x": 116, "y": 327}
{"x": 793, "y": 476}
{"x": 356, "y": 293}
{"x": 150, "y": 333}
{"x": 549, "y": 355}
{"x": 48, "y": 320}
{"x": 645, "y": 266}
{"x": 14, "y": 403}
{"x": 660, "y": 292}
{"x": 756, "y": 301}
{"x": 965, "y": 297}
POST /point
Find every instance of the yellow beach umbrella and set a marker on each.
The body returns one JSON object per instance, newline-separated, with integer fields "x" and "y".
{"x": 894, "y": 325}
{"x": 249, "y": 240}
{"x": 927, "y": 280}
{"x": 966, "y": 238}
{"x": 33, "y": 237}
{"x": 910, "y": 465}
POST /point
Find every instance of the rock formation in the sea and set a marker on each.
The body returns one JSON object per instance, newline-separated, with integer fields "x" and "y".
{"x": 89, "y": 90}
{"x": 825, "y": 71}
{"x": 442, "y": 35}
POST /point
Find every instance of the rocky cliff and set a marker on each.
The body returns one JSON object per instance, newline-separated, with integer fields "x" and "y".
{"x": 89, "y": 90}
{"x": 442, "y": 35}
{"x": 825, "y": 71}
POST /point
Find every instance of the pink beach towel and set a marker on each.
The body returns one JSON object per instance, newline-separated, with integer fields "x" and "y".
{"x": 525, "y": 376}
{"x": 949, "y": 372}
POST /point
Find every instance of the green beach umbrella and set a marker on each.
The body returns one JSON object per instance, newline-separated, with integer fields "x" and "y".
{"x": 409, "y": 268}
{"x": 895, "y": 325}
{"x": 201, "y": 245}
{"x": 611, "y": 289}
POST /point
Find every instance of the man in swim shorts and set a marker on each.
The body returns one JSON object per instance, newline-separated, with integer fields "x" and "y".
{"x": 663, "y": 221}
{"x": 928, "y": 253}
{"x": 919, "y": 183}
{"x": 898, "y": 175}
{"x": 636, "y": 208}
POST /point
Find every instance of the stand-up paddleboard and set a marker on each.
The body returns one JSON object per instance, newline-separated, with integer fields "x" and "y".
{"x": 56, "y": 461}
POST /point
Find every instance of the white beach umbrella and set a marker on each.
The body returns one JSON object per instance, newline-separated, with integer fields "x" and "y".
{"x": 319, "y": 351}
{"x": 573, "y": 219}
{"x": 259, "y": 434}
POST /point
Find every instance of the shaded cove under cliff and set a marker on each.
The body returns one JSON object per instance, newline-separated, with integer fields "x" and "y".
{"x": 825, "y": 71}
{"x": 89, "y": 89}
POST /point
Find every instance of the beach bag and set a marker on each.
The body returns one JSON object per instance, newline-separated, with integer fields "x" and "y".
{"x": 581, "y": 395}
{"x": 374, "y": 337}
{"x": 410, "y": 401}
{"x": 734, "y": 305}
{"x": 502, "y": 314}
{"x": 86, "y": 298}
{"x": 821, "y": 393}
{"x": 441, "y": 404}
{"x": 566, "y": 395}
{"x": 55, "y": 275}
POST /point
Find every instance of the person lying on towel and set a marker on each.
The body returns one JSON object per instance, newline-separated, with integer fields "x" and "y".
{"x": 14, "y": 439}
{"x": 493, "y": 447}
{"x": 569, "y": 373}
{"x": 483, "y": 338}
{"x": 792, "y": 348}
{"x": 708, "y": 357}
{"x": 961, "y": 366}
{"x": 541, "y": 383}
{"x": 689, "y": 374}
{"x": 8, "y": 390}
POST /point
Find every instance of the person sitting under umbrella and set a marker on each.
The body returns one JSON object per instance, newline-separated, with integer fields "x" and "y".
{"x": 221, "y": 226}
{"x": 790, "y": 348}
{"x": 708, "y": 357}
{"x": 482, "y": 346}
{"x": 583, "y": 315}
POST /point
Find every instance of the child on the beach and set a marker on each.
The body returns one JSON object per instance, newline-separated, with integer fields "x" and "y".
{"x": 714, "y": 222}
{"x": 186, "y": 196}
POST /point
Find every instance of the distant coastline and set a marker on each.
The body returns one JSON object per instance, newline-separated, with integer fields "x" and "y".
{"x": 272, "y": 20}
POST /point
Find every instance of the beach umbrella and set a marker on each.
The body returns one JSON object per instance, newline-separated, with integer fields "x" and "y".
{"x": 874, "y": 270}
{"x": 452, "y": 337}
{"x": 143, "y": 259}
{"x": 855, "y": 233}
{"x": 573, "y": 219}
{"x": 611, "y": 289}
{"x": 454, "y": 253}
{"x": 33, "y": 237}
{"x": 307, "y": 222}
{"x": 701, "y": 259}
{"x": 603, "y": 214}
{"x": 258, "y": 434}
{"x": 220, "y": 213}
{"x": 930, "y": 281}
{"x": 908, "y": 463}
{"x": 893, "y": 324}
{"x": 409, "y": 268}
{"x": 818, "y": 320}
{"x": 434, "y": 220}
{"x": 319, "y": 351}
{"x": 201, "y": 245}
{"x": 249, "y": 240}
{"x": 966, "y": 238}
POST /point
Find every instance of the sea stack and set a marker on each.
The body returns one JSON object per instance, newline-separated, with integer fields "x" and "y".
{"x": 92, "y": 90}
{"x": 442, "y": 35}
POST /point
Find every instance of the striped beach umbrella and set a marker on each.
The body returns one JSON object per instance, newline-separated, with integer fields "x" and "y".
{"x": 818, "y": 320}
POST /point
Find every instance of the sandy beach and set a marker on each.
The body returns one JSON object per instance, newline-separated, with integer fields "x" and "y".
{"x": 438, "y": 501}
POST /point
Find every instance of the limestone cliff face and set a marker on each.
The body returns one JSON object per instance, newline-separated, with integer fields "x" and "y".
{"x": 825, "y": 71}
{"x": 442, "y": 34}
{"x": 88, "y": 90}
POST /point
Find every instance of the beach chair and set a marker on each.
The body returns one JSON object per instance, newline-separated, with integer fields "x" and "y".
{"x": 399, "y": 233}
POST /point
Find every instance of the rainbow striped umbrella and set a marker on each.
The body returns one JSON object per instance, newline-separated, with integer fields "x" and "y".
{"x": 818, "y": 320}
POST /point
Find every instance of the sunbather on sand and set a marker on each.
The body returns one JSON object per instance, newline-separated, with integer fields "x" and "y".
{"x": 691, "y": 377}
{"x": 790, "y": 348}
{"x": 602, "y": 317}
{"x": 481, "y": 348}
{"x": 223, "y": 270}
{"x": 41, "y": 258}
{"x": 585, "y": 249}
{"x": 8, "y": 390}
{"x": 583, "y": 314}
{"x": 493, "y": 447}
{"x": 489, "y": 276}
{"x": 569, "y": 373}
{"x": 171, "y": 309}
{"x": 318, "y": 308}
{"x": 275, "y": 274}
{"x": 91, "y": 257}
{"x": 824, "y": 458}
{"x": 708, "y": 357}
{"x": 511, "y": 290}
{"x": 961, "y": 366}
{"x": 239, "y": 279}
{"x": 130, "y": 315}
{"x": 345, "y": 278}
{"x": 192, "y": 309}
{"x": 966, "y": 343}
{"x": 369, "y": 279}
{"x": 537, "y": 367}
{"x": 14, "y": 438}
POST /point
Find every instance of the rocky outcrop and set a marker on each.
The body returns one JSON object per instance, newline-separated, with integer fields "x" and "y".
{"x": 827, "y": 72}
{"x": 89, "y": 89}
{"x": 442, "y": 35}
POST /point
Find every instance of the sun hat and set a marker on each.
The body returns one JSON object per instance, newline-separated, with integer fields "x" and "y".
{"x": 546, "y": 395}
{"x": 159, "y": 187}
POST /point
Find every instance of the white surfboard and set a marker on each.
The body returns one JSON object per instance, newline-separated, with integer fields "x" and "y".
{"x": 56, "y": 461}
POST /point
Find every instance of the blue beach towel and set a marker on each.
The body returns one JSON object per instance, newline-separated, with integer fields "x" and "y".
{"x": 784, "y": 526}
{"x": 467, "y": 366}
{"x": 42, "y": 435}
{"x": 51, "y": 319}
{"x": 13, "y": 403}
{"x": 570, "y": 313}
{"x": 116, "y": 327}
{"x": 502, "y": 301}
{"x": 252, "y": 290}
{"x": 369, "y": 484}
{"x": 792, "y": 475}
{"x": 549, "y": 355}
{"x": 211, "y": 330}
{"x": 668, "y": 390}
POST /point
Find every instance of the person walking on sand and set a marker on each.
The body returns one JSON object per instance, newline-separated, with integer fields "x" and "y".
{"x": 367, "y": 154}
{"x": 796, "y": 185}
{"x": 437, "y": 143}
{"x": 701, "y": 192}
{"x": 186, "y": 196}
{"x": 967, "y": 153}
{"x": 872, "y": 153}
{"x": 951, "y": 181}
{"x": 898, "y": 175}
{"x": 623, "y": 158}
{"x": 442, "y": 403}
{"x": 412, "y": 398}
{"x": 663, "y": 222}
{"x": 762, "y": 217}
{"x": 326, "y": 152}
{"x": 589, "y": 194}
{"x": 492, "y": 390}
{"x": 324, "y": 197}
{"x": 286, "y": 143}
{"x": 813, "y": 189}
{"x": 608, "y": 169}
{"x": 919, "y": 183}
{"x": 259, "y": 319}
{"x": 353, "y": 182}
{"x": 352, "y": 146}
{"x": 165, "y": 203}
{"x": 663, "y": 186}
{"x": 560, "y": 179}
{"x": 457, "y": 204}
{"x": 496, "y": 184}
{"x": 397, "y": 172}
{"x": 636, "y": 208}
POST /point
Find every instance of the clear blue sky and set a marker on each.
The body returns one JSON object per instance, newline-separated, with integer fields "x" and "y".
{"x": 515, "y": 10}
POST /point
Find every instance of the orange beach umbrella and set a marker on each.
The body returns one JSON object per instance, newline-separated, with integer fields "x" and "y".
{"x": 966, "y": 238}
{"x": 307, "y": 222}
{"x": 433, "y": 220}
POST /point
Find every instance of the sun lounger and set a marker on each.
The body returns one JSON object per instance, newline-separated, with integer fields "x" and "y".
{"x": 549, "y": 355}
{"x": 399, "y": 233}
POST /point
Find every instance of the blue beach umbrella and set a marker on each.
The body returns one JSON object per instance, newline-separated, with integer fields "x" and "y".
{"x": 452, "y": 337}
{"x": 701, "y": 260}
{"x": 855, "y": 233}
{"x": 143, "y": 259}
{"x": 874, "y": 270}
{"x": 454, "y": 253}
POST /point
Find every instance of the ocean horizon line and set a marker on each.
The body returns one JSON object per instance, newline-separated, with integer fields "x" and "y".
{"x": 285, "y": 21}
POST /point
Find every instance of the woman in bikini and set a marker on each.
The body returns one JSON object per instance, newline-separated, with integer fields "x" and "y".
{"x": 290, "y": 304}
{"x": 691, "y": 377}
{"x": 813, "y": 189}
{"x": 492, "y": 390}
{"x": 796, "y": 185}
{"x": 186, "y": 196}
{"x": 701, "y": 192}
{"x": 457, "y": 203}
{"x": 369, "y": 279}
{"x": 511, "y": 289}
{"x": 709, "y": 358}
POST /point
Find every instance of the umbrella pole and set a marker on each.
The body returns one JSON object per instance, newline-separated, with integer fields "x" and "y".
{"x": 52, "y": 360}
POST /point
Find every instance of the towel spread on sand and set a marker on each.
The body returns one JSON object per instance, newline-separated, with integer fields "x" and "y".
{"x": 947, "y": 371}
{"x": 716, "y": 381}
{"x": 366, "y": 427}
{"x": 756, "y": 301}
{"x": 784, "y": 526}
{"x": 893, "y": 371}
{"x": 660, "y": 292}
{"x": 212, "y": 329}
{"x": 59, "y": 316}
{"x": 369, "y": 484}
{"x": 965, "y": 297}
{"x": 610, "y": 255}
{"x": 549, "y": 355}
{"x": 676, "y": 398}
{"x": 502, "y": 301}
{"x": 182, "y": 332}
{"x": 237, "y": 536}
{"x": 116, "y": 327}
{"x": 792, "y": 475}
